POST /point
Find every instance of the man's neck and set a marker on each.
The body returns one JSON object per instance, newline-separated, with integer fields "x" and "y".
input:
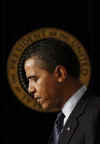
{"x": 71, "y": 86}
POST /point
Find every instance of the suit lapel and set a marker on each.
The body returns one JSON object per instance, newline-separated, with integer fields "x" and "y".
{"x": 73, "y": 120}
{"x": 51, "y": 138}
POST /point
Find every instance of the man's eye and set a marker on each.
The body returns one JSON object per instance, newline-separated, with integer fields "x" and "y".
{"x": 35, "y": 79}
{"x": 32, "y": 78}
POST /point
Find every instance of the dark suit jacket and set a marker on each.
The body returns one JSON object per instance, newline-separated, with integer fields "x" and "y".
{"x": 82, "y": 126}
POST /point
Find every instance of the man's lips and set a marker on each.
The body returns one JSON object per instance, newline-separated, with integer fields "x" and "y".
{"x": 38, "y": 99}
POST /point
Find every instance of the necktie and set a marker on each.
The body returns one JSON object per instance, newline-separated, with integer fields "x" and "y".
{"x": 59, "y": 122}
{"x": 58, "y": 127}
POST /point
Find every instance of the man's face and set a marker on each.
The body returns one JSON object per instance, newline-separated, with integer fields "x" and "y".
{"x": 42, "y": 85}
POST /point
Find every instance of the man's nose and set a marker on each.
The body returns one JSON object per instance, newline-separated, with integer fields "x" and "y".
{"x": 31, "y": 89}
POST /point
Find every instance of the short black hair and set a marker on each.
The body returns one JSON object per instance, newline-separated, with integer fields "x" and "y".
{"x": 53, "y": 52}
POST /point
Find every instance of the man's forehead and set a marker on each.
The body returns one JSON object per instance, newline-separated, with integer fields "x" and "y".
{"x": 30, "y": 71}
{"x": 32, "y": 66}
{"x": 35, "y": 61}
{"x": 29, "y": 62}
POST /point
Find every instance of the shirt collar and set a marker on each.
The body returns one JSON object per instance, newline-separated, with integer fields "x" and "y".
{"x": 73, "y": 100}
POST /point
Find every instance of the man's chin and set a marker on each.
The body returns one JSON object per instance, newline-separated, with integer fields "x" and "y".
{"x": 45, "y": 107}
{"x": 48, "y": 108}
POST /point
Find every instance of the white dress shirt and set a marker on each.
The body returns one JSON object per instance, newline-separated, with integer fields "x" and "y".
{"x": 72, "y": 102}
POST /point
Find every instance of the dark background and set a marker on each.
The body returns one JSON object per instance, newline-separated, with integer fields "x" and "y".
{"x": 21, "y": 124}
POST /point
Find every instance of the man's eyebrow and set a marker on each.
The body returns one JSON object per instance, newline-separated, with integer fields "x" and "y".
{"x": 32, "y": 76}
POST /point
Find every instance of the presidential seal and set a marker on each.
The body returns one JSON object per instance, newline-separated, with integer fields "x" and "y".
{"x": 15, "y": 65}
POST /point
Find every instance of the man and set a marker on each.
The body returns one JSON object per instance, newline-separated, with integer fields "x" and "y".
{"x": 53, "y": 72}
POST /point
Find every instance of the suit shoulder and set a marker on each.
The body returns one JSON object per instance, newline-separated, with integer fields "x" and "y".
{"x": 94, "y": 101}
{"x": 93, "y": 104}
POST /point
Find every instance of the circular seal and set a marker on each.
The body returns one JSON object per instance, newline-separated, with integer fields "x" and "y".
{"x": 16, "y": 76}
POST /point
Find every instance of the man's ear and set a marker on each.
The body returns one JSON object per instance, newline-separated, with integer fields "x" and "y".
{"x": 60, "y": 73}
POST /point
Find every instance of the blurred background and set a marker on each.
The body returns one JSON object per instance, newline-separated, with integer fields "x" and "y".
{"x": 21, "y": 124}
